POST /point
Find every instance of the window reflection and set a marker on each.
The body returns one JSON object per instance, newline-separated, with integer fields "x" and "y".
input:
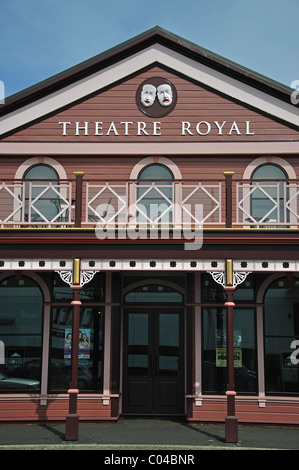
{"x": 155, "y": 201}
{"x": 264, "y": 200}
{"x": 21, "y": 308}
{"x": 92, "y": 291}
{"x": 90, "y": 354}
{"x": 40, "y": 201}
{"x": 214, "y": 376}
{"x": 281, "y": 329}
{"x": 169, "y": 343}
{"x": 154, "y": 293}
{"x": 138, "y": 343}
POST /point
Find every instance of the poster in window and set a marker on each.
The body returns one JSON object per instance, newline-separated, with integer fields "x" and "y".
{"x": 84, "y": 344}
{"x": 221, "y": 348}
{"x": 221, "y": 357}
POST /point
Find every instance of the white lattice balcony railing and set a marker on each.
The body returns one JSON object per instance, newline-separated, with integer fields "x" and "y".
{"x": 151, "y": 204}
{"x": 146, "y": 204}
{"x": 267, "y": 204}
{"x": 35, "y": 204}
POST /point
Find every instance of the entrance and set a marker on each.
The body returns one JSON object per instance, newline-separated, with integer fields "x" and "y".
{"x": 153, "y": 380}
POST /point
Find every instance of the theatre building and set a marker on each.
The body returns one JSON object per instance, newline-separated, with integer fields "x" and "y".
{"x": 149, "y": 208}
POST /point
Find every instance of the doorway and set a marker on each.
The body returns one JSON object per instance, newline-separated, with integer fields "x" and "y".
{"x": 153, "y": 360}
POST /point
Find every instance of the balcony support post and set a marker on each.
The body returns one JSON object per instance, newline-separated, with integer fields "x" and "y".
{"x": 229, "y": 198}
{"x": 78, "y": 206}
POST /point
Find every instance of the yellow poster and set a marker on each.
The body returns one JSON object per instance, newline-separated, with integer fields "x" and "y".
{"x": 221, "y": 357}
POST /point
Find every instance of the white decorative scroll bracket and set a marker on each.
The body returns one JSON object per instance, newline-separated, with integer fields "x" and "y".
{"x": 238, "y": 276}
{"x": 85, "y": 277}
{"x": 218, "y": 277}
{"x": 66, "y": 276}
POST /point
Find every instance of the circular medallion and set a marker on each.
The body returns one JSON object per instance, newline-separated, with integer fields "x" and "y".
{"x": 156, "y": 97}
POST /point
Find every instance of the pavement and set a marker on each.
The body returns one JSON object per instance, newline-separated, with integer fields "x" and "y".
{"x": 142, "y": 434}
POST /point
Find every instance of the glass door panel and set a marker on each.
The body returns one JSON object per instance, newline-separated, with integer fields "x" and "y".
{"x": 169, "y": 342}
{"x": 138, "y": 350}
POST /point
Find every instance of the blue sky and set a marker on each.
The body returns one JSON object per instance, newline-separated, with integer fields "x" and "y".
{"x": 40, "y": 38}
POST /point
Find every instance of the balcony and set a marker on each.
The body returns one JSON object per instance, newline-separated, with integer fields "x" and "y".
{"x": 219, "y": 203}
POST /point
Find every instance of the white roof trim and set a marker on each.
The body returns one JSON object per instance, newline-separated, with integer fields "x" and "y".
{"x": 156, "y": 53}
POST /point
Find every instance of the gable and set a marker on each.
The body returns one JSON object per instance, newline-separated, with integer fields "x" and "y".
{"x": 217, "y": 99}
{"x": 198, "y": 114}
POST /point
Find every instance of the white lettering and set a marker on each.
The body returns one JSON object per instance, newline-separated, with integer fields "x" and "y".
{"x": 64, "y": 124}
{"x": 157, "y": 128}
{"x": 206, "y": 124}
{"x": 98, "y": 128}
{"x": 234, "y": 128}
{"x": 186, "y": 128}
{"x": 84, "y": 127}
{"x": 247, "y": 132}
{"x": 141, "y": 128}
{"x": 115, "y": 460}
{"x": 219, "y": 127}
{"x": 126, "y": 125}
{"x": 112, "y": 128}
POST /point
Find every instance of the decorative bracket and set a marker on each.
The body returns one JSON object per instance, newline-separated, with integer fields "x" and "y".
{"x": 238, "y": 277}
{"x": 85, "y": 277}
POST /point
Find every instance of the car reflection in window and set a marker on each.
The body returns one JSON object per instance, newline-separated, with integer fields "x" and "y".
{"x": 8, "y": 383}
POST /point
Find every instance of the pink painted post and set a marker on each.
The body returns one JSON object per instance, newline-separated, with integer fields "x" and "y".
{"x": 72, "y": 419}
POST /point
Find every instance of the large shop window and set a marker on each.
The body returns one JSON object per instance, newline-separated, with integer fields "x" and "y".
{"x": 281, "y": 330}
{"x": 214, "y": 371}
{"x": 21, "y": 319}
{"x": 91, "y": 338}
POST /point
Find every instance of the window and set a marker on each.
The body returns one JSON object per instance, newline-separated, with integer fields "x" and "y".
{"x": 281, "y": 313}
{"x": 41, "y": 201}
{"x": 154, "y": 293}
{"x": 21, "y": 322}
{"x": 154, "y": 197}
{"x": 214, "y": 372}
{"x": 267, "y": 200}
{"x": 91, "y": 337}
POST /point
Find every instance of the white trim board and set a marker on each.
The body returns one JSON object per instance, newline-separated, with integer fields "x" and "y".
{"x": 149, "y": 148}
{"x": 154, "y": 54}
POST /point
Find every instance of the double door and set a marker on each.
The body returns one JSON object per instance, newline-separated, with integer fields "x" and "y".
{"x": 153, "y": 375}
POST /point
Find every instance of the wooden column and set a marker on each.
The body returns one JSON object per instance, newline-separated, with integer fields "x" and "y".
{"x": 231, "y": 421}
{"x": 229, "y": 198}
{"x": 78, "y": 206}
{"x": 72, "y": 419}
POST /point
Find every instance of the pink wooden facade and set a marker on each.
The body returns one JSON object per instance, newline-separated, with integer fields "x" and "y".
{"x": 226, "y": 214}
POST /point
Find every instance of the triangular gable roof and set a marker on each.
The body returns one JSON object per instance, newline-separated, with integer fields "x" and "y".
{"x": 155, "y": 46}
